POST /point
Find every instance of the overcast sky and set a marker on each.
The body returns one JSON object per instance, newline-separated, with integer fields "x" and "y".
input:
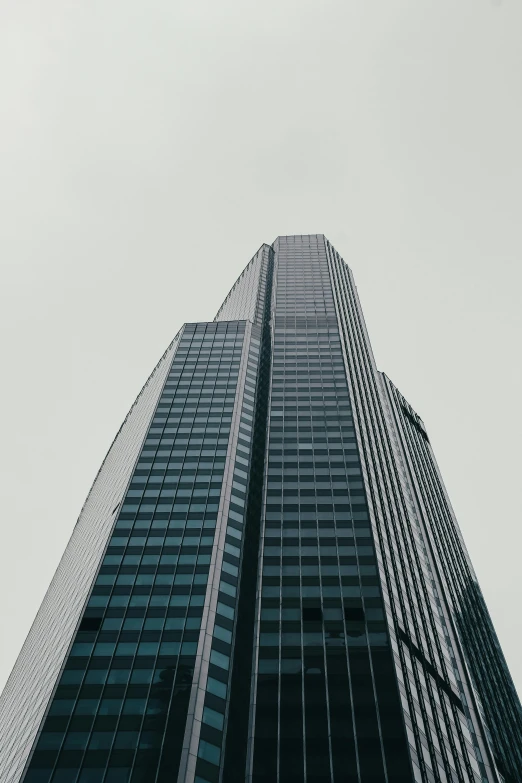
{"x": 148, "y": 148}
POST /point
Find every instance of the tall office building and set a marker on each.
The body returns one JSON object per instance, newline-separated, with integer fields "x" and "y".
{"x": 266, "y": 582}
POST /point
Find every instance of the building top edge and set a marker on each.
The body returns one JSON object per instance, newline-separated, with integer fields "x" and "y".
{"x": 216, "y": 323}
{"x": 282, "y": 237}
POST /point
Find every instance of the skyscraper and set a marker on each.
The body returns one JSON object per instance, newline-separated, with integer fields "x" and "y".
{"x": 267, "y": 582}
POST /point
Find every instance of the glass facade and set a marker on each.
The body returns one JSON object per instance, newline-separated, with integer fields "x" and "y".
{"x": 267, "y": 582}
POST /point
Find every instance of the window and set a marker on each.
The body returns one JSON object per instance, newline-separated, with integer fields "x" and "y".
{"x": 312, "y": 614}
{"x": 354, "y": 614}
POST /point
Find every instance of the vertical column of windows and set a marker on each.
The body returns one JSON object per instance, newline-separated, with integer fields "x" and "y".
{"x": 221, "y": 626}
{"x": 460, "y": 709}
{"x": 239, "y": 711}
{"x": 120, "y": 706}
{"x": 323, "y": 649}
{"x": 402, "y": 573}
{"x": 459, "y": 586}
{"x": 437, "y": 742}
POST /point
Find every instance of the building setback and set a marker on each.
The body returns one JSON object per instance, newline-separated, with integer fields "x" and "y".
{"x": 267, "y": 582}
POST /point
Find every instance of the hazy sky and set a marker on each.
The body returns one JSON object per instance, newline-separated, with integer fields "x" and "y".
{"x": 148, "y": 148}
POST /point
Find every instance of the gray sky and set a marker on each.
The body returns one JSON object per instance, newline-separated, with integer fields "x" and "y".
{"x": 146, "y": 151}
